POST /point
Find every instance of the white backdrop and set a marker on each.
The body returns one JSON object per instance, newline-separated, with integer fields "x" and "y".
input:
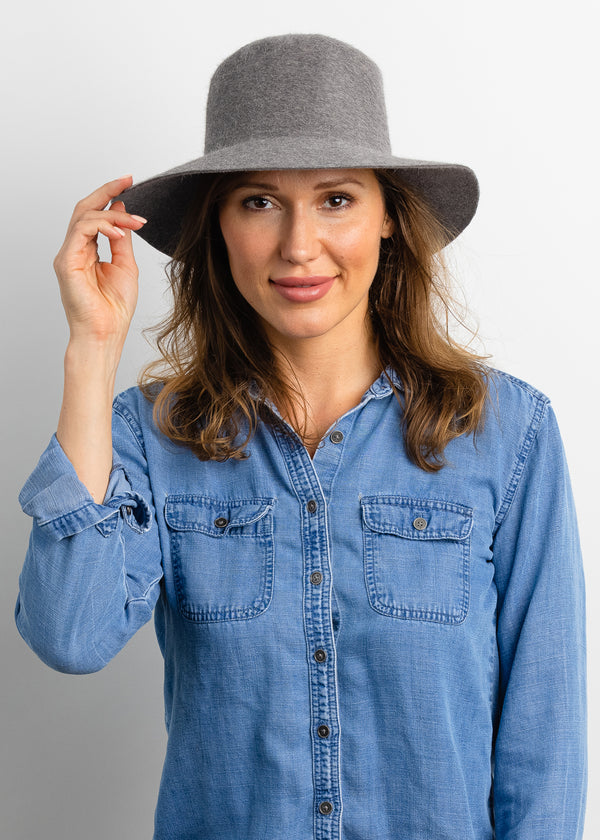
{"x": 91, "y": 91}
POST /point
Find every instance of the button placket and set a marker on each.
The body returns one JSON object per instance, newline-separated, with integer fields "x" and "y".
{"x": 318, "y": 628}
{"x": 323, "y": 673}
{"x": 323, "y": 677}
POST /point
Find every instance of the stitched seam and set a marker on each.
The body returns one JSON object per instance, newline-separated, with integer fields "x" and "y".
{"x": 131, "y": 422}
{"x": 144, "y": 596}
{"x": 521, "y": 459}
{"x": 65, "y": 517}
{"x": 525, "y": 386}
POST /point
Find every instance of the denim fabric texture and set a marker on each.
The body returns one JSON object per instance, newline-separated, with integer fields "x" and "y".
{"x": 354, "y": 648}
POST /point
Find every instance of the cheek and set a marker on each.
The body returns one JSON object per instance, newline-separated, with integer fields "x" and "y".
{"x": 248, "y": 250}
{"x": 360, "y": 245}
{"x": 246, "y": 261}
{"x": 241, "y": 251}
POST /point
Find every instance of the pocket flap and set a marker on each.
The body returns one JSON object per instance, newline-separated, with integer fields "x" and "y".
{"x": 417, "y": 519}
{"x": 214, "y": 517}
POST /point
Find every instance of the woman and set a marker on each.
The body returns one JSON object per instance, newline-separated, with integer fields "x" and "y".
{"x": 358, "y": 541}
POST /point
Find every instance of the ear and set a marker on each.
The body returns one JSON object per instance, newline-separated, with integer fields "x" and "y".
{"x": 387, "y": 228}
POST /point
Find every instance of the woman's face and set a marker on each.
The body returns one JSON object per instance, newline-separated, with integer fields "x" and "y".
{"x": 303, "y": 248}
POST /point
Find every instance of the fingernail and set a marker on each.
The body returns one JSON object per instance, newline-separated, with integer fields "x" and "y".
{"x": 139, "y": 219}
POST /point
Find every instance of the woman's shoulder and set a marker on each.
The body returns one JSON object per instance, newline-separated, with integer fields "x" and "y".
{"x": 507, "y": 384}
{"x": 509, "y": 391}
{"x": 515, "y": 407}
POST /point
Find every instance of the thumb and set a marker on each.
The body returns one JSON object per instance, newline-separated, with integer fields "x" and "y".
{"x": 121, "y": 248}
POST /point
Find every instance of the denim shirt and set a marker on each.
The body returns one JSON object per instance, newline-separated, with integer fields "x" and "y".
{"x": 354, "y": 648}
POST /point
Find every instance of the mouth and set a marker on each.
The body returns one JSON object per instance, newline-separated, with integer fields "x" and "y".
{"x": 303, "y": 289}
{"x": 301, "y": 282}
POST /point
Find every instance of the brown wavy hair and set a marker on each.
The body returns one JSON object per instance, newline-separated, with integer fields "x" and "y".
{"x": 217, "y": 371}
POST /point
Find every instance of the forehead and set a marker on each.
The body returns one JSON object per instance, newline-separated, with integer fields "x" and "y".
{"x": 305, "y": 178}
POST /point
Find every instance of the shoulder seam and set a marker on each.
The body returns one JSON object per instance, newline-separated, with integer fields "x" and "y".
{"x": 542, "y": 403}
{"x": 520, "y": 383}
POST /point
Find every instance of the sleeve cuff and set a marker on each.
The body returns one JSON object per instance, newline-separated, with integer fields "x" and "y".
{"x": 61, "y": 503}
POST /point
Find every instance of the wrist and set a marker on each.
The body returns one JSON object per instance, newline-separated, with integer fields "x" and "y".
{"x": 96, "y": 360}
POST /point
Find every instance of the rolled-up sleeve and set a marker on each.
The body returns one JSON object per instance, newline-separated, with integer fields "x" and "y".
{"x": 540, "y": 758}
{"x": 92, "y": 572}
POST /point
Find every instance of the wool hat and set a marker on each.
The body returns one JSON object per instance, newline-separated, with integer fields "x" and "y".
{"x": 296, "y": 101}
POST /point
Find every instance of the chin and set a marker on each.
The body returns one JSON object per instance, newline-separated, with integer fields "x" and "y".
{"x": 300, "y": 330}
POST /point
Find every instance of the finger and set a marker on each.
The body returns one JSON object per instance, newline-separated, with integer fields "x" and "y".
{"x": 121, "y": 248}
{"x": 116, "y": 216}
{"x": 81, "y": 245}
{"x": 98, "y": 199}
{"x": 109, "y": 222}
{"x": 85, "y": 231}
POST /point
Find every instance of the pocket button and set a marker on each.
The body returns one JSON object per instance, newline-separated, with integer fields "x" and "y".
{"x": 419, "y": 523}
{"x": 221, "y": 522}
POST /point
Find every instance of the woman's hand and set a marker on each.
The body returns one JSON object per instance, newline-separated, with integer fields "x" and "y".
{"x": 99, "y": 297}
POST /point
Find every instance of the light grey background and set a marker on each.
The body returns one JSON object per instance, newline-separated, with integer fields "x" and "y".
{"x": 91, "y": 91}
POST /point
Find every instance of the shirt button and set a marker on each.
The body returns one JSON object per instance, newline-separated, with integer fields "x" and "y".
{"x": 320, "y": 655}
{"x": 419, "y": 523}
{"x": 336, "y": 437}
{"x": 323, "y": 731}
{"x": 221, "y": 522}
{"x": 316, "y": 578}
{"x": 325, "y": 808}
{"x": 311, "y": 506}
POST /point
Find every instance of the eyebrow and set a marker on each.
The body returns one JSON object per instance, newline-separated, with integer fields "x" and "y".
{"x": 328, "y": 184}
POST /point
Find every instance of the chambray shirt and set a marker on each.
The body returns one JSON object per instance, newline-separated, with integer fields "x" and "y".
{"x": 354, "y": 648}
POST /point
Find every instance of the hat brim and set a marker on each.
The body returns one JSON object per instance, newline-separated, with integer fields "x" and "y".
{"x": 450, "y": 190}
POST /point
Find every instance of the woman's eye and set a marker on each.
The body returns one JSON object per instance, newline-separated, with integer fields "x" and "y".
{"x": 336, "y": 201}
{"x": 256, "y": 202}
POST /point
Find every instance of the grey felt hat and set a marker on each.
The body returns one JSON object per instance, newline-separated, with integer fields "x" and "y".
{"x": 296, "y": 102}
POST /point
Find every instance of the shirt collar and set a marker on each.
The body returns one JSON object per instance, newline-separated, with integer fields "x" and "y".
{"x": 382, "y": 387}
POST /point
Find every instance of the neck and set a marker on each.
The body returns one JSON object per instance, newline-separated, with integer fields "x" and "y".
{"x": 331, "y": 374}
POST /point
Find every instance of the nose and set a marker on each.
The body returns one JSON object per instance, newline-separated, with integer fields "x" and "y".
{"x": 300, "y": 237}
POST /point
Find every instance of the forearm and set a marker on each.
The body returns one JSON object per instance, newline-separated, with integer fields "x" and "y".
{"x": 84, "y": 427}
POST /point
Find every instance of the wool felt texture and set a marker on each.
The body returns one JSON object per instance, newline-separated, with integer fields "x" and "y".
{"x": 296, "y": 101}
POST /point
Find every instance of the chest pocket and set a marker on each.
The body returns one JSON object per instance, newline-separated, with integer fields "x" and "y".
{"x": 417, "y": 557}
{"x": 222, "y": 556}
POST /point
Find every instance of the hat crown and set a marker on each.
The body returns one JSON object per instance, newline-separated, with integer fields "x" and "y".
{"x": 296, "y": 102}
{"x": 297, "y": 86}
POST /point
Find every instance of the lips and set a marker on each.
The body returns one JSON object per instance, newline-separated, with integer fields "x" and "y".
{"x": 303, "y": 289}
{"x": 290, "y": 282}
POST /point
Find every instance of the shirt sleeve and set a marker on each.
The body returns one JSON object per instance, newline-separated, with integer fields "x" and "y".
{"x": 92, "y": 572}
{"x": 540, "y": 758}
